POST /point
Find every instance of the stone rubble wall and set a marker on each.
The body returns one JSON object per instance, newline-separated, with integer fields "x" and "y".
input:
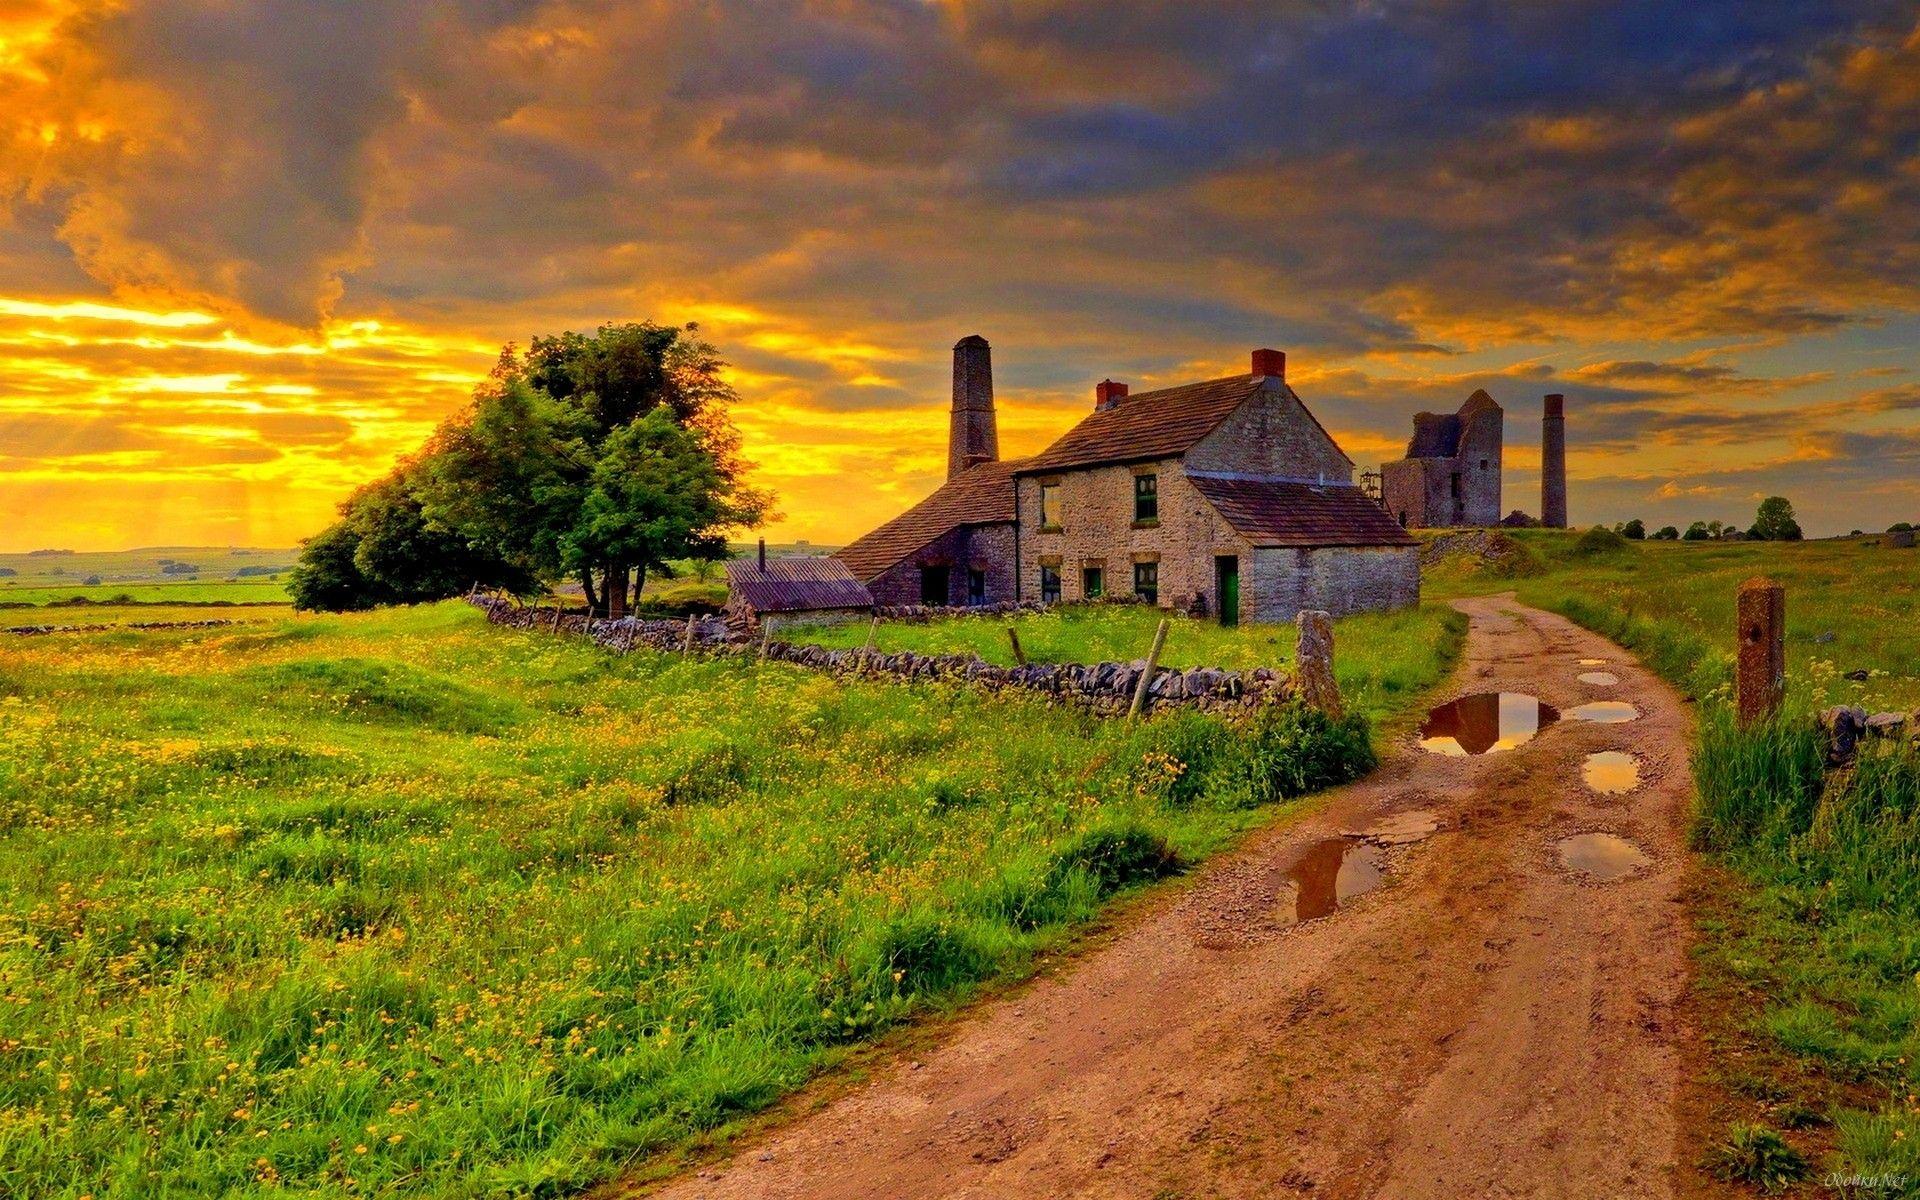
{"x": 1106, "y": 688}
{"x": 39, "y": 630}
{"x": 1846, "y": 726}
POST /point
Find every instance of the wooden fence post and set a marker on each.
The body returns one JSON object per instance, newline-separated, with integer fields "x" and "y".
{"x": 558, "y": 608}
{"x": 1760, "y": 682}
{"x": 1313, "y": 663}
{"x": 766, "y": 634}
{"x": 873, "y": 637}
{"x": 686, "y": 647}
{"x": 1146, "y": 675}
{"x": 1019, "y": 655}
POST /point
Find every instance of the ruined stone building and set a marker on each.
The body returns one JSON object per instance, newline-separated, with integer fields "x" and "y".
{"x": 1226, "y": 497}
{"x": 1451, "y": 474}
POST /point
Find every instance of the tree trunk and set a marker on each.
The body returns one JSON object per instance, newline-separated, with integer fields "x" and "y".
{"x": 616, "y": 589}
{"x": 639, "y": 582}
{"x": 586, "y": 584}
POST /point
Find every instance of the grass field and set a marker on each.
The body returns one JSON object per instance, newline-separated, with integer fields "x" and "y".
{"x": 1380, "y": 659}
{"x": 156, "y": 575}
{"x": 400, "y": 902}
{"x": 1810, "y": 961}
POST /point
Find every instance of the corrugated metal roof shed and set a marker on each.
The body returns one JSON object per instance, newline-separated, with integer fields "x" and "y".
{"x": 796, "y": 584}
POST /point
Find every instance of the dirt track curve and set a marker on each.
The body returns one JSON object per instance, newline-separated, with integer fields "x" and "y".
{"x": 1486, "y": 1023}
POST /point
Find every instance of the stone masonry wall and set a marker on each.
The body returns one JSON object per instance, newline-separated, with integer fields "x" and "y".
{"x": 1097, "y": 528}
{"x": 1106, "y": 688}
{"x": 1274, "y": 435}
{"x": 988, "y": 547}
{"x": 1342, "y": 580}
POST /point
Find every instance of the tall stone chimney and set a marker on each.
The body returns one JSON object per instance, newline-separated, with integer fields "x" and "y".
{"x": 974, "y": 438}
{"x": 1553, "y": 462}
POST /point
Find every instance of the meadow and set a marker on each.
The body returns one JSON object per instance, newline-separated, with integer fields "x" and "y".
{"x": 403, "y": 902}
{"x": 1382, "y": 660}
{"x": 1809, "y": 951}
{"x": 154, "y": 575}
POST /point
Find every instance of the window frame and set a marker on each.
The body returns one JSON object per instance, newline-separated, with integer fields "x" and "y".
{"x": 1097, "y": 575}
{"x": 1050, "y": 521}
{"x": 1049, "y": 583}
{"x": 1146, "y": 496}
{"x": 1146, "y": 581}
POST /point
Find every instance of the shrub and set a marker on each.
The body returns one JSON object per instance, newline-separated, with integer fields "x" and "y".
{"x": 1598, "y": 540}
{"x": 1757, "y": 1156}
{"x": 1115, "y": 857}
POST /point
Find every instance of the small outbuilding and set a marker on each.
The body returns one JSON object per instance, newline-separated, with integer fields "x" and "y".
{"x": 795, "y": 585}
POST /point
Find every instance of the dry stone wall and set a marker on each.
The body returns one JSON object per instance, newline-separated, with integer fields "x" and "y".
{"x": 1105, "y": 688}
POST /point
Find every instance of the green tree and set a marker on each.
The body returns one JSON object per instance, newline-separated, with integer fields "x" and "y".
{"x": 1697, "y": 532}
{"x": 1635, "y": 529}
{"x": 1667, "y": 533}
{"x": 1775, "y": 521}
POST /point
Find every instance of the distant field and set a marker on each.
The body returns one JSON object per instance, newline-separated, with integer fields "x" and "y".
{"x": 1852, "y": 604}
{"x": 141, "y": 614}
{"x": 161, "y": 574}
{"x": 402, "y": 903}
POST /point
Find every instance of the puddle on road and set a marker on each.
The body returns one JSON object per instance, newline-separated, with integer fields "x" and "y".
{"x": 1604, "y": 712}
{"x": 1600, "y": 678}
{"x": 1593, "y": 662}
{"x": 1601, "y": 856}
{"x": 1611, "y": 772}
{"x": 1331, "y": 873}
{"x": 1485, "y": 723}
{"x": 1399, "y": 829}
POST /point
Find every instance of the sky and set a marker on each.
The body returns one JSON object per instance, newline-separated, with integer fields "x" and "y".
{"x": 253, "y": 250}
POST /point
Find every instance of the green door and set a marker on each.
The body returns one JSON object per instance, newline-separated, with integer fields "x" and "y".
{"x": 1227, "y": 574}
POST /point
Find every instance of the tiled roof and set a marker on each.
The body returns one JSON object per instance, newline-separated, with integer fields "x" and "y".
{"x": 1147, "y": 425}
{"x": 1272, "y": 513}
{"x": 980, "y": 495}
{"x": 798, "y": 583}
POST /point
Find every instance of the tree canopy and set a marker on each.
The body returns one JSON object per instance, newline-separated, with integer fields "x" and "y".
{"x": 1775, "y": 521}
{"x": 597, "y": 458}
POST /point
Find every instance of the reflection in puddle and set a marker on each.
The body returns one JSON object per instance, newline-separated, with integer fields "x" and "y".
{"x": 1329, "y": 874}
{"x": 1600, "y": 678}
{"x": 1601, "y": 856}
{"x": 1400, "y": 829}
{"x": 1604, "y": 712}
{"x": 1593, "y": 662}
{"x": 1484, "y": 723}
{"x": 1611, "y": 772}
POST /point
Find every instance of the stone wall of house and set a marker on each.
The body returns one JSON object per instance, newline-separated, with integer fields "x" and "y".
{"x": 1105, "y": 687}
{"x": 987, "y": 548}
{"x": 1097, "y": 529}
{"x": 1342, "y": 580}
{"x": 1272, "y": 434}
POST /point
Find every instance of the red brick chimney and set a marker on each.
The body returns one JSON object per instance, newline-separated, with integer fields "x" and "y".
{"x": 1107, "y": 393}
{"x": 1271, "y": 363}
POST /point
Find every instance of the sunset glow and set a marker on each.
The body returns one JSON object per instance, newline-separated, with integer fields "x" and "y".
{"x": 251, "y": 253}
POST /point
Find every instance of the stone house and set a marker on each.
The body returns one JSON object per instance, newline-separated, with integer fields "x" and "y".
{"x": 1226, "y": 497}
{"x": 1451, "y": 474}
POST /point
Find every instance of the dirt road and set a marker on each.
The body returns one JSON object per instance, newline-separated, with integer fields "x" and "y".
{"x": 1487, "y": 1022}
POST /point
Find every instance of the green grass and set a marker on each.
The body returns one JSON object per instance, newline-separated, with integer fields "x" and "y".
{"x": 1850, "y": 605}
{"x": 1814, "y": 965}
{"x": 404, "y": 903}
{"x": 236, "y": 574}
{"x": 1381, "y": 660}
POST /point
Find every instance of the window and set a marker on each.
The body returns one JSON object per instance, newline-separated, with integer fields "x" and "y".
{"x": 1456, "y": 485}
{"x": 1146, "y": 497}
{"x": 933, "y": 586}
{"x": 1049, "y": 585}
{"x": 1146, "y": 581}
{"x": 1050, "y": 506}
{"x": 1483, "y": 464}
{"x": 976, "y": 586}
{"x": 1093, "y": 582}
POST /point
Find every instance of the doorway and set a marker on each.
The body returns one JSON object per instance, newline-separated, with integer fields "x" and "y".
{"x": 934, "y": 585}
{"x": 1226, "y": 577}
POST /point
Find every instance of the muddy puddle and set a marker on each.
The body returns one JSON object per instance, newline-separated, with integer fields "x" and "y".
{"x": 1601, "y": 856}
{"x": 1593, "y": 662}
{"x": 1331, "y": 873}
{"x": 1604, "y": 712}
{"x": 1611, "y": 772}
{"x": 1600, "y": 678}
{"x": 1485, "y": 723}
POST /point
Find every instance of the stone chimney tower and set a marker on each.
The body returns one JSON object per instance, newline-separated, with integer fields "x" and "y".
{"x": 974, "y": 437}
{"x": 1553, "y": 462}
